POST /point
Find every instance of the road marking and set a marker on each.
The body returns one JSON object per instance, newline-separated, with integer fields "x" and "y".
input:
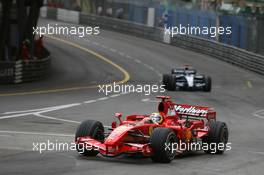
{"x": 96, "y": 43}
{"x": 105, "y": 47}
{"x": 147, "y": 100}
{"x": 36, "y": 133}
{"x": 90, "y": 101}
{"x": 39, "y": 112}
{"x": 16, "y": 114}
{"x": 137, "y": 61}
{"x": 129, "y": 57}
{"x": 259, "y": 114}
{"x": 103, "y": 98}
{"x": 87, "y": 40}
{"x": 44, "y": 109}
{"x": 121, "y": 53}
{"x": 2, "y": 135}
{"x": 249, "y": 84}
{"x": 97, "y": 55}
{"x": 257, "y": 152}
{"x": 58, "y": 119}
{"x": 115, "y": 95}
{"x": 124, "y": 93}
{"x": 159, "y": 74}
{"x": 113, "y": 50}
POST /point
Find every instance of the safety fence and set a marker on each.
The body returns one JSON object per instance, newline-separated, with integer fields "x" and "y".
{"x": 24, "y": 71}
{"x": 247, "y": 31}
{"x": 231, "y": 54}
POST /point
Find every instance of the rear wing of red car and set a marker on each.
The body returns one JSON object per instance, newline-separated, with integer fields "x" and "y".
{"x": 195, "y": 111}
{"x": 184, "y": 110}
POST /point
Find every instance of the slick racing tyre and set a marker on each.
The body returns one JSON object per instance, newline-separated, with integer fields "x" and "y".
{"x": 171, "y": 83}
{"x": 162, "y": 141}
{"x": 165, "y": 80}
{"x": 91, "y": 128}
{"x": 208, "y": 84}
{"x": 217, "y": 138}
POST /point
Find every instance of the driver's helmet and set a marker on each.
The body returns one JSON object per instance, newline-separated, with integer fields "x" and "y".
{"x": 156, "y": 118}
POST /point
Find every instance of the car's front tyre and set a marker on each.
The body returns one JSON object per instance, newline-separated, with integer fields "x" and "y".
{"x": 208, "y": 84}
{"x": 162, "y": 141}
{"x": 171, "y": 83}
{"x": 165, "y": 80}
{"x": 93, "y": 129}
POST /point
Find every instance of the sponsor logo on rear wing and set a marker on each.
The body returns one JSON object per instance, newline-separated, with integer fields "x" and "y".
{"x": 194, "y": 111}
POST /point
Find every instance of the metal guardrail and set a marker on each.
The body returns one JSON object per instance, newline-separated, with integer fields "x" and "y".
{"x": 24, "y": 71}
{"x": 227, "y": 53}
{"x": 122, "y": 26}
{"x": 51, "y": 13}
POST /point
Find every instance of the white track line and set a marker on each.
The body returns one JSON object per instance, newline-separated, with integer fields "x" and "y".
{"x": 96, "y": 43}
{"x": 147, "y": 100}
{"x": 129, "y": 57}
{"x": 44, "y": 109}
{"x": 258, "y": 114}
{"x": 90, "y": 101}
{"x": 36, "y": 133}
{"x": 58, "y": 119}
{"x": 103, "y": 98}
{"x": 104, "y": 46}
{"x": 17, "y": 114}
{"x": 88, "y": 41}
{"x": 137, "y": 61}
{"x": 115, "y": 95}
{"x": 121, "y": 53}
{"x": 257, "y": 152}
{"x": 113, "y": 50}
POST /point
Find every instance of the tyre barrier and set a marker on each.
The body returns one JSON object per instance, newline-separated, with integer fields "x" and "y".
{"x": 24, "y": 71}
{"x": 230, "y": 54}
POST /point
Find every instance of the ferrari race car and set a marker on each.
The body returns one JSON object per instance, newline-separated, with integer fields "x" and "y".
{"x": 157, "y": 135}
{"x": 186, "y": 79}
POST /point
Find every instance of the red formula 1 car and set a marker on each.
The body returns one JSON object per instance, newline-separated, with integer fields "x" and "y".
{"x": 157, "y": 135}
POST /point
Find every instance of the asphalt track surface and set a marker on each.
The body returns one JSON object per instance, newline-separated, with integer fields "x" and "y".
{"x": 51, "y": 109}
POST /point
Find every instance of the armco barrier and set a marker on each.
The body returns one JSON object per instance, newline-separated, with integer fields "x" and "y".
{"x": 230, "y": 54}
{"x": 122, "y": 26}
{"x": 24, "y": 71}
{"x": 227, "y": 53}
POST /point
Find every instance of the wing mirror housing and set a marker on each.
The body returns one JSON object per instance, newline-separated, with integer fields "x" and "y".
{"x": 114, "y": 125}
{"x": 119, "y": 117}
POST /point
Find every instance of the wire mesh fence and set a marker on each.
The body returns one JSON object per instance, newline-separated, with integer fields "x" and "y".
{"x": 246, "y": 30}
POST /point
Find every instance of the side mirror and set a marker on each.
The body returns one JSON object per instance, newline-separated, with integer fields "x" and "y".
{"x": 114, "y": 125}
{"x": 119, "y": 116}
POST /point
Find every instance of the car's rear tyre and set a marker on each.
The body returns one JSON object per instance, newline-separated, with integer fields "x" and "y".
{"x": 93, "y": 129}
{"x": 217, "y": 138}
{"x": 165, "y": 80}
{"x": 160, "y": 141}
{"x": 171, "y": 83}
{"x": 208, "y": 84}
